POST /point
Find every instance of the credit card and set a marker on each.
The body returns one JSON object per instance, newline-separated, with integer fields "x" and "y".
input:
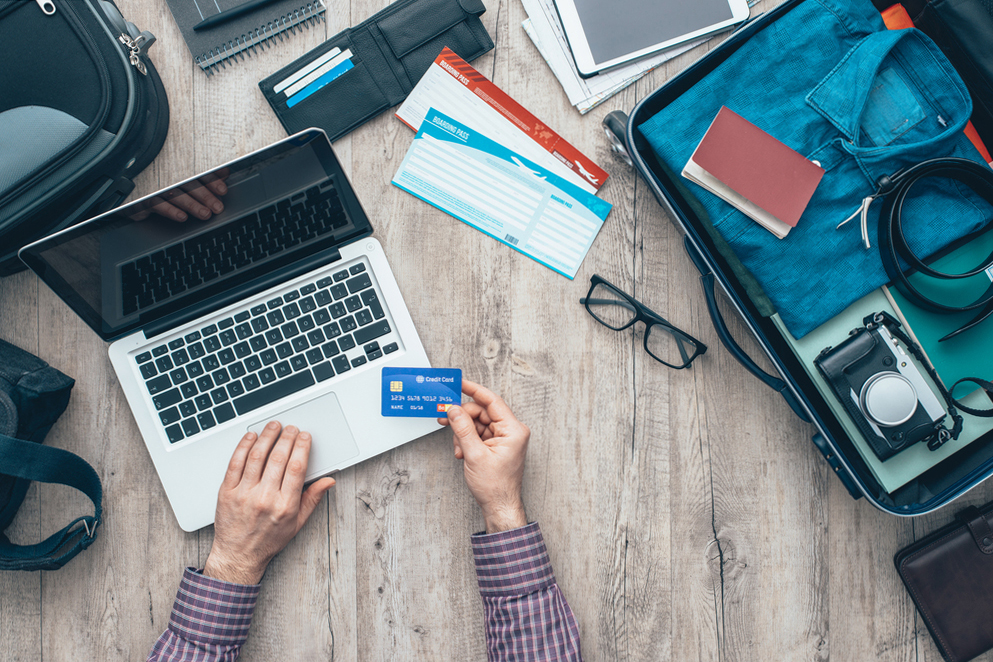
{"x": 420, "y": 392}
{"x": 318, "y": 72}
{"x": 319, "y": 83}
{"x": 304, "y": 70}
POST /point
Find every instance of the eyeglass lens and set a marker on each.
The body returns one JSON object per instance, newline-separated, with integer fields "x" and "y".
{"x": 669, "y": 345}
{"x": 610, "y": 307}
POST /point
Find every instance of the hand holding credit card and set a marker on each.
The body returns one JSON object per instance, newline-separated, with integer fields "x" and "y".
{"x": 420, "y": 392}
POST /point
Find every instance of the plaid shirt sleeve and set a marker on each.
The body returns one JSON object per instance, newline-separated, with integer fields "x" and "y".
{"x": 527, "y": 617}
{"x": 209, "y": 621}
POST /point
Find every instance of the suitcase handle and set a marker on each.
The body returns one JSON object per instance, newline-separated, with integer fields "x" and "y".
{"x": 707, "y": 280}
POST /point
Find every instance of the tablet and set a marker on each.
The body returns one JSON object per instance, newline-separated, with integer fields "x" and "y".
{"x": 607, "y": 33}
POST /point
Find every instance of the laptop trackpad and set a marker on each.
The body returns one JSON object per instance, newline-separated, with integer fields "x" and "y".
{"x": 323, "y": 419}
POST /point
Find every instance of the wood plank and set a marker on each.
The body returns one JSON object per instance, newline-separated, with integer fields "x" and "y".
{"x": 572, "y": 380}
{"x": 414, "y": 572}
{"x": 868, "y": 602}
{"x": 230, "y": 118}
{"x": 134, "y": 566}
{"x": 20, "y": 592}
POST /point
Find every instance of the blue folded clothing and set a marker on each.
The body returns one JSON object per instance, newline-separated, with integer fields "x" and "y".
{"x": 832, "y": 83}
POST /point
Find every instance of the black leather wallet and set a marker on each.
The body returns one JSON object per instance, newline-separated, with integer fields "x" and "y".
{"x": 949, "y": 575}
{"x": 390, "y": 53}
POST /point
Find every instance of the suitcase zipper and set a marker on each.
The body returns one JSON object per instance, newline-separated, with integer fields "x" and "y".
{"x": 47, "y": 7}
{"x": 137, "y": 48}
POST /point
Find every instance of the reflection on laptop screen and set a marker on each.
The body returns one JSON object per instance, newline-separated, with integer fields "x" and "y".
{"x": 140, "y": 263}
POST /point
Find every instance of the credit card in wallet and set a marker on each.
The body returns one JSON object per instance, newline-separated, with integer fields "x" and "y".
{"x": 338, "y": 66}
{"x": 420, "y": 392}
{"x": 305, "y": 70}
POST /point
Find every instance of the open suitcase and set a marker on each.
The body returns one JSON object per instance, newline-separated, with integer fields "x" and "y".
{"x": 958, "y": 470}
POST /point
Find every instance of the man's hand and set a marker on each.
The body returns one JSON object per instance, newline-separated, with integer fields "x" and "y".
{"x": 261, "y": 504}
{"x": 492, "y": 443}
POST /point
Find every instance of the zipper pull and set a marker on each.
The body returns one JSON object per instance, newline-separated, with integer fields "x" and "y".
{"x": 47, "y": 7}
{"x": 137, "y": 49}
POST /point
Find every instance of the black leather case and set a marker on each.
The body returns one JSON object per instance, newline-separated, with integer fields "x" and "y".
{"x": 390, "y": 52}
{"x": 949, "y": 575}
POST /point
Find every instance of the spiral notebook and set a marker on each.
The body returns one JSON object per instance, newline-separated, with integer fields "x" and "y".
{"x": 215, "y": 48}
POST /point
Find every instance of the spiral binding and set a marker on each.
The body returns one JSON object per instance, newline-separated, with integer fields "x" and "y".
{"x": 219, "y": 56}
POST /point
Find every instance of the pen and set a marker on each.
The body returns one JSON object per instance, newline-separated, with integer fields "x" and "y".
{"x": 229, "y": 14}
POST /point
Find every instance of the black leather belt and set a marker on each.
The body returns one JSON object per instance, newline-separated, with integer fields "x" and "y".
{"x": 893, "y": 245}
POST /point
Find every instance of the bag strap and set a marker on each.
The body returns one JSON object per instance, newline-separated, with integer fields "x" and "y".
{"x": 31, "y": 461}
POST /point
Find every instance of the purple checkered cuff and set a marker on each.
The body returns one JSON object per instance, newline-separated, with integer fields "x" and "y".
{"x": 512, "y": 563}
{"x": 213, "y": 612}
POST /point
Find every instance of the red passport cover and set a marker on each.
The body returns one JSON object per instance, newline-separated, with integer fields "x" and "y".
{"x": 756, "y": 165}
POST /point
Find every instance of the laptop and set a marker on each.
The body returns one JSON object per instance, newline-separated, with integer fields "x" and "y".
{"x": 282, "y": 306}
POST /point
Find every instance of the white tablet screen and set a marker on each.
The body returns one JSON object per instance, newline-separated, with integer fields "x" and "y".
{"x": 615, "y": 28}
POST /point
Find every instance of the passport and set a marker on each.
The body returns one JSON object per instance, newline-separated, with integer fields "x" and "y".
{"x": 420, "y": 392}
{"x": 754, "y": 172}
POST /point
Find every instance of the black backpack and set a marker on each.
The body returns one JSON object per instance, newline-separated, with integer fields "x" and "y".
{"x": 82, "y": 111}
{"x": 32, "y": 397}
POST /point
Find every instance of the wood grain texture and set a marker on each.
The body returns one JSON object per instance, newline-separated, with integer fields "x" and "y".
{"x": 20, "y": 592}
{"x": 686, "y": 513}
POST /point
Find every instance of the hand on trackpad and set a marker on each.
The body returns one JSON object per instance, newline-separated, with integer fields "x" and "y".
{"x": 323, "y": 419}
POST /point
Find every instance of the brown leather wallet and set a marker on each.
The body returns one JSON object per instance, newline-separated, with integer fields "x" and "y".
{"x": 949, "y": 575}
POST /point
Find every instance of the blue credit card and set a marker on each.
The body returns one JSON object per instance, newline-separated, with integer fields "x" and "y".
{"x": 420, "y": 392}
{"x": 319, "y": 83}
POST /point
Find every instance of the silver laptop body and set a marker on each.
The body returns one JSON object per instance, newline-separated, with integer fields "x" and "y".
{"x": 281, "y": 307}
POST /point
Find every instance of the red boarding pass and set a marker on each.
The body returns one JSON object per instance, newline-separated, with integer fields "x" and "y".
{"x": 429, "y": 93}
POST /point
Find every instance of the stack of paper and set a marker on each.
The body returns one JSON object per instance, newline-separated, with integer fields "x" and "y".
{"x": 482, "y": 158}
{"x": 543, "y": 26}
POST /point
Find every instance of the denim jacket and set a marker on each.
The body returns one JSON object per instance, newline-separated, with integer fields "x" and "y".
{"x": 832, "y": 83}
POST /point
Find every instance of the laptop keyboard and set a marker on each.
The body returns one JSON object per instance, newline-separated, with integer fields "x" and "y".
{"x": 266, "y": 352}
{"x": 154, "y": 278}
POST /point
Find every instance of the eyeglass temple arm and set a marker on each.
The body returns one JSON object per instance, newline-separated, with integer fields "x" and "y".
{"x": 679, "y": 344}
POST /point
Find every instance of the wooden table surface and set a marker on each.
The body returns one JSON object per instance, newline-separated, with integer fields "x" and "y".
{"x": 687, "y": 514}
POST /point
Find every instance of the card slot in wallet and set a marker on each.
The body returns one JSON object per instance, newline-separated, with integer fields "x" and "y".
{"x": 351, "y": 99}
{"x": 390, "y": 52}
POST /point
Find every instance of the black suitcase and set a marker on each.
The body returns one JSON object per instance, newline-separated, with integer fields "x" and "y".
{"x": 934, "y": 488}
{"x": 81, "y": 113}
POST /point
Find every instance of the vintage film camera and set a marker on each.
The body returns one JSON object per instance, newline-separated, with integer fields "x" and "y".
{"x": 882, "y": 387}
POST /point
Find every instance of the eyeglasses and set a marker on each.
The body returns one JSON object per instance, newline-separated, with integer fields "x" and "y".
{"x": 617, "y": 310}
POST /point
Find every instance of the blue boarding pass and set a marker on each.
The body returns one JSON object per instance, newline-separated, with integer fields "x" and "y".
{"x": 516, "y": 201}
{"x": 420, "y": 392}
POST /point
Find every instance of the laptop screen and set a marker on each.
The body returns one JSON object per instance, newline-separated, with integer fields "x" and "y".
{"x": 158, "y": 256}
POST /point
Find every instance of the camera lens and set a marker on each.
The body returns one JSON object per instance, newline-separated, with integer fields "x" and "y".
{"x": 888, "y": 398}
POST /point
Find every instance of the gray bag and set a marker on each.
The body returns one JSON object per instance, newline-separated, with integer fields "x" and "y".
{"x": 77, "y": 121}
